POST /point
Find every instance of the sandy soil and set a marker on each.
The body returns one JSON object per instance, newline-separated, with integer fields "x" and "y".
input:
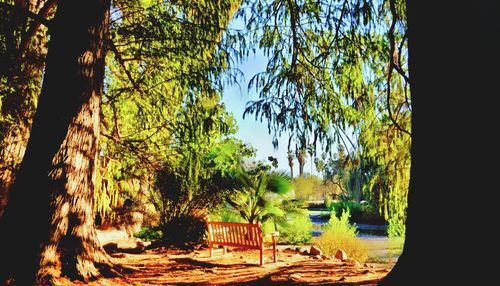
{"x": 163, "y": 266}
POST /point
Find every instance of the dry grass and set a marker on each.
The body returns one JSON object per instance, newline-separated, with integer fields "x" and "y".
{"x": 330, "y": 241}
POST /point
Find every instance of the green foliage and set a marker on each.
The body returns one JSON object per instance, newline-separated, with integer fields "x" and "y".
{"x": 260, "y": 194}
{"x": 328, "y": 202}
{"x": 311, "y": 187}
{"x": 148, "y": 233}
{"x": 338, "y": 73}
{"x": 338, "y": 234}
{"x": 223, "y": 214}
{"x": 165, "y": 70}
{"x": 396, "y": 228}
{"x": 360, "y": 213}
{"x": 296, "y": 229}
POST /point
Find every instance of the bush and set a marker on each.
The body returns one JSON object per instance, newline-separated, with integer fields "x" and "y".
{"x": 396, "y": 228}
{"x": 184, "y": 231}
{"x": 360, "y": 213}
{"x": 296, "y": 230}
{"x": 339, "y": 234}
{"x": 147, "y": 233}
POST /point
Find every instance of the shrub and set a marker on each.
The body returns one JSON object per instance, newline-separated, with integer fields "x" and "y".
{"x": 296, "y": 230}
{"x": 360, "y": 213}
{"x": 396, "y": 228}
{"x": 184, "y": 231}
{"x": 339, "y": 234}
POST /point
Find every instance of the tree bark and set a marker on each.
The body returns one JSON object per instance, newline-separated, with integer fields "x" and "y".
{"x": 50, "y": 209}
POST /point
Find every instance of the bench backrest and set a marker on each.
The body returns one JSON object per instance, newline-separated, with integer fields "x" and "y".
{"x": 246, "y": 235}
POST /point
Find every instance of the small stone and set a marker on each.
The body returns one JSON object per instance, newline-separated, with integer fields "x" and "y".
{"x": 241, "y": 257}
{"x": 315, "y": 250}
{"x": 317, "y": 257}
{"x": 365, "y": 265}
{"x": 340, "y": 254}
{"x": 295, "y": 276}
{"x": 342, "y": 278}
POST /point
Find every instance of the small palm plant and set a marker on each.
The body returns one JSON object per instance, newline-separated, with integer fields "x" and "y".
{"x": 260, "y": 195}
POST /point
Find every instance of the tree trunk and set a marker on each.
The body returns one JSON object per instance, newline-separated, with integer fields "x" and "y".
{"x": 51, "y": 201}
{"x": 302, "y": 161}
{"x": 290, "y": 163}
{"x": 19, "y": 102}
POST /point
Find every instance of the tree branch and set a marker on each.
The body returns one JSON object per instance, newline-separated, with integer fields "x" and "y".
{"x": 44, "y": 11}
{"x": 27, "y": 13}
{"x": 119, "y": 58}
{"x": 392, "y": 66}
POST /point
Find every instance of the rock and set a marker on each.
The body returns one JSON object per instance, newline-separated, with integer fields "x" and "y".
{"x": 315, "y": 250}
{"x": 342, "y": 278}
{"x": 304, "y": 252}
{"x": 297, "y": 249}
{"x": 317, "y": 257}
{"x": 340, "y": 254}
{"x": 289, "y": 255}
{"x": 335, "y": 259}
{"x": 241, "y": 257}
{"x": 295, "y": 276}
{"x": 366, "y": 271}
{"x": 324, "y": 257}
{"x": 366, "y": 265}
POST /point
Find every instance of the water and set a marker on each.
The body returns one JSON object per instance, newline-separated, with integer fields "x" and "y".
{"x": 364, "y": 229}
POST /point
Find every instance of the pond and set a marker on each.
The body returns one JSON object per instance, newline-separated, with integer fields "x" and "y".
{"x": 364, "y": 229}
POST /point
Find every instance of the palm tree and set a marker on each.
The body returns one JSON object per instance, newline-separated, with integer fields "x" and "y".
{"x": 261, "y": 195}
{"x": 290, "y": 161}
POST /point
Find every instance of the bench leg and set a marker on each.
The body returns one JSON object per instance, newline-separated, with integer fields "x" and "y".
{"x": 274, "y": 249}
{"x": 225, "y": 250}
{"x": 261, "y": 252}
{"x": 211, "y": 246}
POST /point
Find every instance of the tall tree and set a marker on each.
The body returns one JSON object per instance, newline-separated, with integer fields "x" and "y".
{"x": 63, "y": 145}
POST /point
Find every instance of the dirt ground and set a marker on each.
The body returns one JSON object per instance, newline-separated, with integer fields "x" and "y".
{"x": 162, "y": 266}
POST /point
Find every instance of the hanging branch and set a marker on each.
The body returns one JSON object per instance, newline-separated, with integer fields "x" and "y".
{"x": 392, "y": 65}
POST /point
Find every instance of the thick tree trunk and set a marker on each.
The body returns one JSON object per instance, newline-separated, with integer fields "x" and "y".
{"x": 51, "y": 201}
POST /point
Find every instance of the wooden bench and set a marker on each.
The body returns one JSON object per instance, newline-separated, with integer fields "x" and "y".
{"x": 244, "y": 235}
